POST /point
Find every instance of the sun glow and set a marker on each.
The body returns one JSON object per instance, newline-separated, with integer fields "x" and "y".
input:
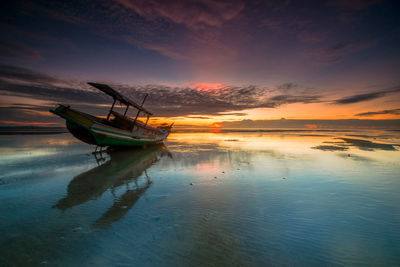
{"x": 204, "y": 86}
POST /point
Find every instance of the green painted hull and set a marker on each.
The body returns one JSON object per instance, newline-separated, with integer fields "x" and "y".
{"x": 112, "y": 141}
{"x": 93, "y": 130}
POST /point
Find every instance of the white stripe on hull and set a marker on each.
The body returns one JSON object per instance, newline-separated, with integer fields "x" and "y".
{"x": 101, "y": 129}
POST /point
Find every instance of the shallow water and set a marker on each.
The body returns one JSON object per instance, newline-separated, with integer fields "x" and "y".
{"x": 261, "y": 198}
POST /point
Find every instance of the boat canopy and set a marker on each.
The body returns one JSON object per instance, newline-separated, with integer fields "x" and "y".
{"x": 117, "y": 96}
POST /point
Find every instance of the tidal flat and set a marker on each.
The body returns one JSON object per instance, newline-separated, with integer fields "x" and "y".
{"x": 280, "y": 198}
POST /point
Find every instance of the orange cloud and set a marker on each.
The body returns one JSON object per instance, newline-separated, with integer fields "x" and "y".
{"x": 216, "y": 125}
{"x": 203, "y": 86}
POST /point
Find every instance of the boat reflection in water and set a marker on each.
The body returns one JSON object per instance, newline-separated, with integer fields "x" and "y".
{"x": 124, "y": 169}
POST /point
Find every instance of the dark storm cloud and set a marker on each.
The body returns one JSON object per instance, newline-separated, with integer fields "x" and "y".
{"x": 386, "y": 111}
{"x": 367, "y": 96}
{"x": 17, "y": 51}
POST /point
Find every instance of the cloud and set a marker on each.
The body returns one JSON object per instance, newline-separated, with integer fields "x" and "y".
{"x": 239, "y": 114}
{"x": 319, "y": 124}
{"x": 168, "y": 101}
{"x": 18, "y": 51}
{"x": 176, "y": 29}
{"x": 165, "y": 50}
{"x": 52, "y": 93}
{"x": 27, "y": 114}
{"x": 284, "y": 24}
{"x": 366, "y": 97}
{"x": 8, "y": 72}
{"x": 163, "y": 100}
{"x": 193, "y": 14}
{"x": 17, "y": 81}
{"x": 336, "y": 52}
{"x": 288, "y": 99}
{"x": 173, "y": 101}
{"x": 387, "y": 111}
{"x": 199, "y": 117}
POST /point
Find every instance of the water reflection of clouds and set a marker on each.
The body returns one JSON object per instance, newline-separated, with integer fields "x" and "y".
{"x": 247, "y": 152}
{"x": 330, "y": 148}
{"x": 248, "y": 210}
{"x": 368, "y": 145}
{"x": 361, "y": 144}
{"x": 20, "y": 148}
{"x": 357, "y": 158}
{"x": 255, "y": 154}
{"x": 13, "y": 142}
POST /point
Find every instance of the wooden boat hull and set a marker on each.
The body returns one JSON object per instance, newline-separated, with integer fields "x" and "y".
{"x": 97, "y": 131}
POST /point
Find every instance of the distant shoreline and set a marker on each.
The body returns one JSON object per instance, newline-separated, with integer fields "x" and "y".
{"x": 29, "y": 133}
{"x": 30, "y": 130}
{"x": 230, "y": 130}
{"x": 48, "y": 131}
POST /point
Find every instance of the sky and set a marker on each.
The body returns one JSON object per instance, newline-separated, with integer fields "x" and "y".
{"x": 205, "y": 62}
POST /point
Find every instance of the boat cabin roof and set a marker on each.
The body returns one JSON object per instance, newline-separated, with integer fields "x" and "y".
{"x": 117, "y": 96}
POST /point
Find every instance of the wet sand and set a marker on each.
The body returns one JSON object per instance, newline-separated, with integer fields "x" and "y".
{"x": 228, "y": 198}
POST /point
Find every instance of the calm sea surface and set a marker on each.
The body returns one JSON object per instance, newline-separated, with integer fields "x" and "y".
{"x": 219, "y": 199}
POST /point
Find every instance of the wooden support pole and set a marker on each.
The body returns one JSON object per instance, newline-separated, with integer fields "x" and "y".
{"x": 148, "y": 117}
{"x": 144, "y": 99}
{"x": 126, "y": 110}
{"x": 109, "y": 113}
{"x": 137, "y": 115}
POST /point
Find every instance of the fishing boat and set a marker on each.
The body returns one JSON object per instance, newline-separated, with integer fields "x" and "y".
{"x": 117, "y": 130}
